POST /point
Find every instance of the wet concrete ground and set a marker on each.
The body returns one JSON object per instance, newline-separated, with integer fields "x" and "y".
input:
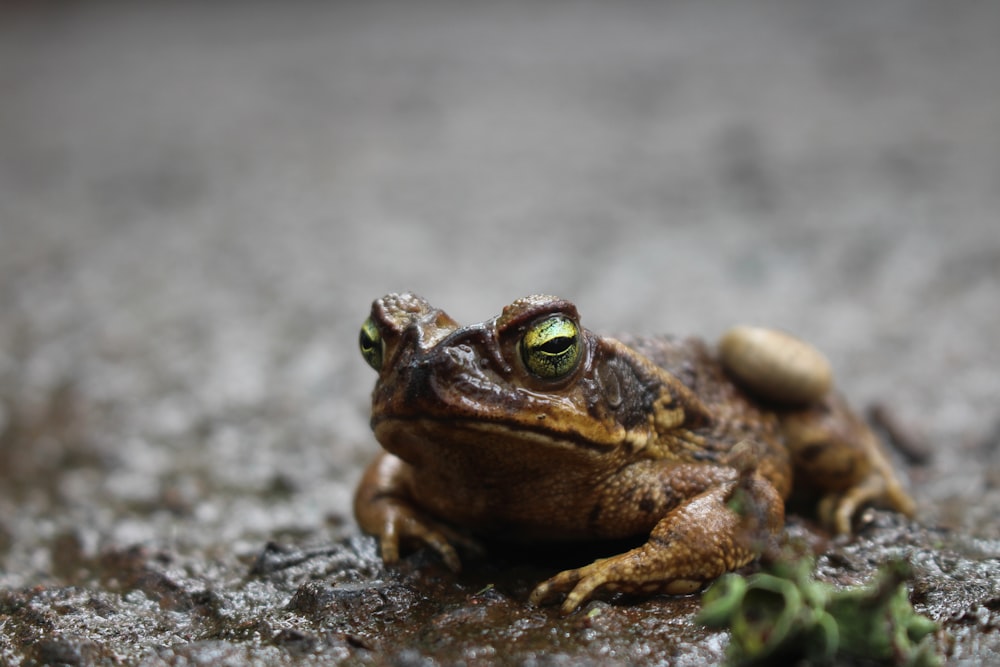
{"x": 198, "y": 204}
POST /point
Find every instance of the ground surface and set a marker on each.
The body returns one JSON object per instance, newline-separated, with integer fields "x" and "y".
{"x": 199, "y": 201}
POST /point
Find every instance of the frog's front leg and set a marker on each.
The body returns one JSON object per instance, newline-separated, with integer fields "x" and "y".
{"x": 385, "y": 508}
{"x": 716, "y": 531}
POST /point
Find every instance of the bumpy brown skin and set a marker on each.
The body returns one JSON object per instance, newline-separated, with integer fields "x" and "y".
{"x": 644, "y": 437}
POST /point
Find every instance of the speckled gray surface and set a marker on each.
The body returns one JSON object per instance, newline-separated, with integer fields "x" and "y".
{"x": 198, "y": 204}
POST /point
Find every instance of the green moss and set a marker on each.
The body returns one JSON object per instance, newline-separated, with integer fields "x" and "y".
{"x": 787, "y": 613}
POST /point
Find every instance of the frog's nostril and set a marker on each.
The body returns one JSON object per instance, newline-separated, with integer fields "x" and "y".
{"x": 473, "y": 347}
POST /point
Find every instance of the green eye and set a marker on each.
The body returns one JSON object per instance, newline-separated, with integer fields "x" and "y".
{"x": 551, "y": 347}
{"x": 370, "y": 342}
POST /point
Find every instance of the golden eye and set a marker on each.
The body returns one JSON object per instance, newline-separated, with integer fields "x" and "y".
{"x": 551, "y": 347}
{"x": 370, "y": 342}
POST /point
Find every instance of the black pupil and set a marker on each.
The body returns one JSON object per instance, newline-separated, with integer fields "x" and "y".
{"x": 557, "y": 345}
{"x": 366, "y": 341}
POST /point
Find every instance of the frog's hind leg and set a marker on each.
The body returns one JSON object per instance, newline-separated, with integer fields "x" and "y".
{"x": 835, "y": 452}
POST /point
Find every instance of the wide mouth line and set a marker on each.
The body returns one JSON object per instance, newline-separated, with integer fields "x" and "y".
{"x": 517, "y": 430}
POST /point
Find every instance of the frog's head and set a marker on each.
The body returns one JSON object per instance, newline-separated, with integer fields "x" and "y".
{"x": 531, "y": 378}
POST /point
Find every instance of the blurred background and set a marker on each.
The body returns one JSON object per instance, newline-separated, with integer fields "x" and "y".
{"x": 199, "y": 201}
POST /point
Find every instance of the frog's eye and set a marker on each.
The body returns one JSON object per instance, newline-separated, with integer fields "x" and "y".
{"x": 370, "y": 342}
{"x": 551, "y": 348}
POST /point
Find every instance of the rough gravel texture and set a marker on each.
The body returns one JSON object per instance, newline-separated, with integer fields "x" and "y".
{"x": 198, "y": 202}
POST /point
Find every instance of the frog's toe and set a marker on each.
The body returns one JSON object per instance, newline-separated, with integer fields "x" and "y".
{"x": 411, "y": 528}
{"x": 447, "y": 542}
{"x": 581, "y": 584}
{"x": 436, "y": 540}
{"x": 837, "y": 510}
{"x": 388, "y": 547}
{"x": 455, "y": 540}
{"x": 578, "y": 585}
{"x": 622, "y": 574}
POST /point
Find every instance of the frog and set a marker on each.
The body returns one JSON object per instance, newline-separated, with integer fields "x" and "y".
{"x": 530, "y": 429}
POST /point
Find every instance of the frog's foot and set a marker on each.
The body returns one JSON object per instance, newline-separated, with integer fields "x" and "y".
{"x": 384, "y": 508}
{"x": 692, "y": 545}
{"x": 403, "y": 525}
{"x": 879, "y": 487}
{"x": 836, "y": 510}
{"x": 838, "y": 455}
{"x": 627, "y": 573}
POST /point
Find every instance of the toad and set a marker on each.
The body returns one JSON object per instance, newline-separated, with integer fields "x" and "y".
{"x": 529, "y": 427}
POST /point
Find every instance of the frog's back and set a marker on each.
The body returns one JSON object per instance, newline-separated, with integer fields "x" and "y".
{"x": 735, "y": 414}
{"x": 691, "y": 361}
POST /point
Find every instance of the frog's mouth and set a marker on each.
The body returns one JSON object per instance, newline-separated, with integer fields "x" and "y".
{"x": 418, "y": 440}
